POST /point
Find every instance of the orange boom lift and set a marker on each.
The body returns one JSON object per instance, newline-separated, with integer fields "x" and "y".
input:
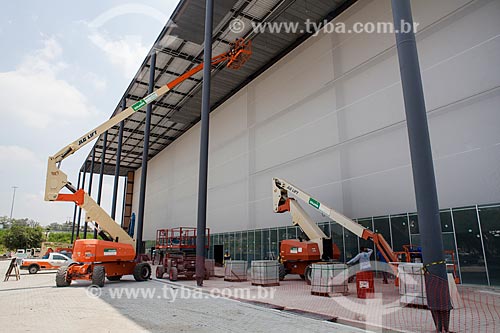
{"x": 114, "y": 256}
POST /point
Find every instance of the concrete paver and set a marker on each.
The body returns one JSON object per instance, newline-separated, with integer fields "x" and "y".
{"x": 35, "y": 304}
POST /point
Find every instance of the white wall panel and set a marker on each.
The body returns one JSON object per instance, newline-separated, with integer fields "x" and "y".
{"x": 329, "y": 117}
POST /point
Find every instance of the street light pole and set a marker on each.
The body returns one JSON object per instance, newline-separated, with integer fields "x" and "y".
{"x": 13, "y": 199}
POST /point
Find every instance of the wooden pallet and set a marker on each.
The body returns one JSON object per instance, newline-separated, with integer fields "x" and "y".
{"x": 316, "y": 293}
{"x": 272, "y": 284}
{"x": 234, "y": 280}
{"x": 414, "y": 306}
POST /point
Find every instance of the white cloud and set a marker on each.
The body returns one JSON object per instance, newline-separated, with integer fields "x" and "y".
{"x": 34, "y": 95}
{"x": 126, "y": 53}
{"x": 17, "y": 154}
{"x": 97, "y": 82}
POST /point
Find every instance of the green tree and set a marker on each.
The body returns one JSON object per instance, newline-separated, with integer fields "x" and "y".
{"x": 62, "y": 237}
{"x": 20, "y": 237}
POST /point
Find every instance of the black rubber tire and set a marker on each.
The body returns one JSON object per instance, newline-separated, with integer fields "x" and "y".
{"x": 282, "y": 272}
{"x": 98, "y": 276}
{"x": 33, "y": 269}
{"x": 142, "y": 271}
{"x": 160, "y": 271}
{"x": 172, "y": 275}
{"x": 307, "y": 274}
{"x": 61, "y": 277}
{"x": 114, "y": 277}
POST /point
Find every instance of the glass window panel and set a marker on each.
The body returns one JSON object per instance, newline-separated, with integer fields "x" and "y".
{"x": 325, "y": 226}
{"x": 282, "y": 233}
{"x": 244, "y": 244}
{"x": 414, "y": 223}
{"x": 338, "y": 242}
{"x": 251, "y": 245}
{"x": 226, "y": 242}
{"x": 446, "y": 223}
{"x": 258, "y": 244}
{"x": 274, "y": 244}
{"x": 367, "y": 223}
{"x": 451, "y": 255}
{"x": 292, "y": 232}
{"x": 301, "y": 234}
{"x": 211, "y": 247}
{"x": 400, "y": 235}
{"x": 351, "y": 244}
{"x": 265, "y": 243}
{"x": 470, "y": 251}
{"x": 231, "y": 245}
{"x": 382, "y": 227}
{"x": 490, "y": 226}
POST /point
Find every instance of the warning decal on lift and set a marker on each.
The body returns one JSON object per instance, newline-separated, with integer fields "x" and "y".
{"x": 314, "y": 203}
{"x": 110, "y": 252}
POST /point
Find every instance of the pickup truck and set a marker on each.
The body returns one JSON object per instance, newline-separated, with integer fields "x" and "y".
{"x": 53, "y": 260}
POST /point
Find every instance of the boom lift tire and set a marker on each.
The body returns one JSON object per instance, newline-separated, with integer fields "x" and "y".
{"x": 98, "y": 276}
{"x": 61, "y": 277}
{"x": 282, "y": 272}
{"x": 142, "y": 271}
{"x": 173, "y": 274}
{"x": 160, "y": 271}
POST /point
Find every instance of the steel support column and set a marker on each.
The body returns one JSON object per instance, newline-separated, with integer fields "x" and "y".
{"x": 80, "y": 208}
{"x": 91, "y": 178}
{"x": 101, "y": 175}
{"x": 117, "y": 166}
{"x": 203, "y": 171}
{"x": 74, "y": 211}
{"x": 438, "y": 296}
{"x": 145, "y": 155}
{"x": 125, "y": 183}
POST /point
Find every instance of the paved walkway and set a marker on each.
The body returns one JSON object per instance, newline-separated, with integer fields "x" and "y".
{"x": 35, "y": 304}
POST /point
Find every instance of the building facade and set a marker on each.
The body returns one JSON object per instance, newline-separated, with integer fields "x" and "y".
{"x": 329, "y": 117}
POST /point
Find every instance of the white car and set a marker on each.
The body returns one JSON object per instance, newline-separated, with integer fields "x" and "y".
{"x": 53, "y": 261}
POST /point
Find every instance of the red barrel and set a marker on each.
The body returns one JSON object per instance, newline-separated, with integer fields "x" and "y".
{"x": 364, "y": 284}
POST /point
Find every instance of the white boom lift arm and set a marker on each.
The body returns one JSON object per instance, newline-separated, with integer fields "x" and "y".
{"x": 282, "y": 203}
{"x": 56, "y": 179}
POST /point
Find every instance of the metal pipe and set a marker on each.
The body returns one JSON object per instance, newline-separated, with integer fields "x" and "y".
{"x": 91, "y": 178}
{"x": 13, "y": 200}
{"x": 117, "y": 166}
{"x": 74, "y": 211}
{"x": 101, "y": 175}
{"x": 145, "y": 155}
{"x": 80, "y": 208}
{"x": 203, "y": 171}
{"x": 438, "y": 296}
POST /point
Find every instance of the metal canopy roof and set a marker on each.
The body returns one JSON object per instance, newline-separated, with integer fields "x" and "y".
{"x": 179, "y": 48}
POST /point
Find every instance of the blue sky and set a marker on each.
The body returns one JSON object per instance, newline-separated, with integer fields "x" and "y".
{"x": 64, "y": 67}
